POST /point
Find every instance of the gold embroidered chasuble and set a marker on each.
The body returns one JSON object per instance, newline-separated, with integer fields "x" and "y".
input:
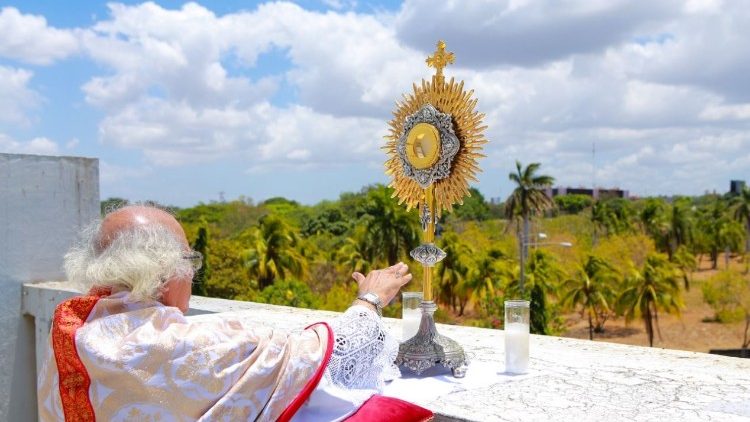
{"x": 147, "y": 362}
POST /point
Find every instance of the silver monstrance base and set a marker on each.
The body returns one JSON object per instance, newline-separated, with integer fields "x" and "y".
{"x": 428, "y": 348}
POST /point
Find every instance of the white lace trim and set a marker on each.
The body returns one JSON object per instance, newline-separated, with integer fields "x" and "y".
{"x": 363, "y": 352}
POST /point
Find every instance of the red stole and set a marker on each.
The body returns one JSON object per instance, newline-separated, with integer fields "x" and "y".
{"x": 69, "y": 316}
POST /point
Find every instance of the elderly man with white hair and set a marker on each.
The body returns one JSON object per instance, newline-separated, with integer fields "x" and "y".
{"x": 125, "y": 350}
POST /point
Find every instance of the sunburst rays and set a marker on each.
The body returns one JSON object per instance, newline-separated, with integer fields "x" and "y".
{"x": 448, "y": 98}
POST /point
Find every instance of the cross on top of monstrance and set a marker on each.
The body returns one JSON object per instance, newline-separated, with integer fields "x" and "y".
{"x": 440, "y": 58}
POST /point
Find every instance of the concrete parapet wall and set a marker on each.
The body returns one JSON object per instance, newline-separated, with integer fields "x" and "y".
{"x": 44, "y": 202}
{"x": 569, "y": 379}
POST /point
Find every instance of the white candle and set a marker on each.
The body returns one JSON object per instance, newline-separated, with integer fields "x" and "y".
{"x": 517, "y": 348}
{"x": 410, "y": 322}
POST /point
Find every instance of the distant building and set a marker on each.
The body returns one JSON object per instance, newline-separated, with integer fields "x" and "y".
{"x": 596, "y": 193}
{"x": 736, "y": 186}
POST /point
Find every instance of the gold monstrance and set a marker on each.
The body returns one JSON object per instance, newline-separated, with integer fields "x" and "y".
{"x": 435, "y": 139}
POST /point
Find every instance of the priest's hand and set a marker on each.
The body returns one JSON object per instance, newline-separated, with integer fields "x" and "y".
{"x": 385, "y": 283}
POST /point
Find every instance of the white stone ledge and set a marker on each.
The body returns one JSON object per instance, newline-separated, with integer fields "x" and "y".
{"x": 569, "y": 379}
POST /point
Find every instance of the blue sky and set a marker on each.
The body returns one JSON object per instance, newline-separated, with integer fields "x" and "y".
{"x": 182, "y": 101}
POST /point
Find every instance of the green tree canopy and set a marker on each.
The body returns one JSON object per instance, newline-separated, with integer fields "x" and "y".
{"x": 111, "y": 204}
{"x": 452, "y": 272}
{"x": 473, "y": 208}
{"x": 326, "y": 219}
{"x": 289, "y": 293}
{"x": 281, "y": 206}
{"x": 574, "y": 203}
{"x": 391, "y": 231}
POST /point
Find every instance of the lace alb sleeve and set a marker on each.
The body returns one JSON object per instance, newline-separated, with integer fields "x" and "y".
{"x": 363, "y": 352}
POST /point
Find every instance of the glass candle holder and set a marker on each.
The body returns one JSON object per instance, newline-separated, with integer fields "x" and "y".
{"x": 411, "y": 314}
{"x": 516, "y": 336}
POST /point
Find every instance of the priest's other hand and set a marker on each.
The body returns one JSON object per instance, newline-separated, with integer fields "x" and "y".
{"x": 385, "y": 283}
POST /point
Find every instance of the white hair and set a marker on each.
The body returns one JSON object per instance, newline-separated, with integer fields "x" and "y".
{"x": 139, "y": 259}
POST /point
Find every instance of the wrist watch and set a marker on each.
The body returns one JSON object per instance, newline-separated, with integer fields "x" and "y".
{"x": 373, "y": 300}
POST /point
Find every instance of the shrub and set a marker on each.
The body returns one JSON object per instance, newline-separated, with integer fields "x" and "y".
{"x": 728, "y": 293}
{"x": 573, "y": 204}
{"x": 289, "y": 293}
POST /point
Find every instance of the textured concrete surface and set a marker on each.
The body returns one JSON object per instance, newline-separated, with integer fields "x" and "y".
{"x": 580, "y": 380}
{"x": 44, "y": 201}
{"x": 570, "y": 380}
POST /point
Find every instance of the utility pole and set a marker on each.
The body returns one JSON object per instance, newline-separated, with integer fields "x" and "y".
{"x": 522, "y": 278}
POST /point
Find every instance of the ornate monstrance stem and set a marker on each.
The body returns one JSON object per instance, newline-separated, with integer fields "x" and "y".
{"x": 429, "y": 238}
{"x": 428, "y": 347}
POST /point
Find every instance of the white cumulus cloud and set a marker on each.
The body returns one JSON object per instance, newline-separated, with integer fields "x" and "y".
{"x": 170, "y": 93}
{"x": 37, "y": 146}
{"x": 659, "y": 87}
{"x": 29, "y": 39}
{"x": 16, "y": 98}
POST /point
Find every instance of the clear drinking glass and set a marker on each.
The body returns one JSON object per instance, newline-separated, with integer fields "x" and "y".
{"x": 516, "y": 336}
{"x": 411, "y": 314}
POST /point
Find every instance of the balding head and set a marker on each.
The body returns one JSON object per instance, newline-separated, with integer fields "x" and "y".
{"x": 127, "y": 218}
{"x": 137, "y": 248}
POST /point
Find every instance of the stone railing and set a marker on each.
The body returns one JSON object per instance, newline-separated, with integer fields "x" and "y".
{"x": 568, "y": 380}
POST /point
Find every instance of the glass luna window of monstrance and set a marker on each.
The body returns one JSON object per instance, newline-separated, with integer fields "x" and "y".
{"x": 423, "y": 145}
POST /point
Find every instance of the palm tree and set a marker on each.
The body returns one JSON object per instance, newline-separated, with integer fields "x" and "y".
{"x": 544, "y": 277}
{"x": 452, "y": 272}
{"x": 721, "y": 233}
{"x": 686, "y": 263}
{"x": 592, "y": 288}
{"x": 355, "y": 253}
{"x": 652, "y": 289}
{"x": 742, "y": 213}
{"x": 622, "y": 212}
{"x": 612, "y": 216}
{"x": 669, "y": 226}
{"x": 603, "y": 219}
{"x": 484, "y": 276}
{"x": 654, "y": 221}
{"x": 391, "y": 231}
{"x": 679, "y": 230}
{"x": 527, "y": 199}
{"x": 485, "y": 280}
{"x": 712, "y": 221}
{"x": 273, "y": 252}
